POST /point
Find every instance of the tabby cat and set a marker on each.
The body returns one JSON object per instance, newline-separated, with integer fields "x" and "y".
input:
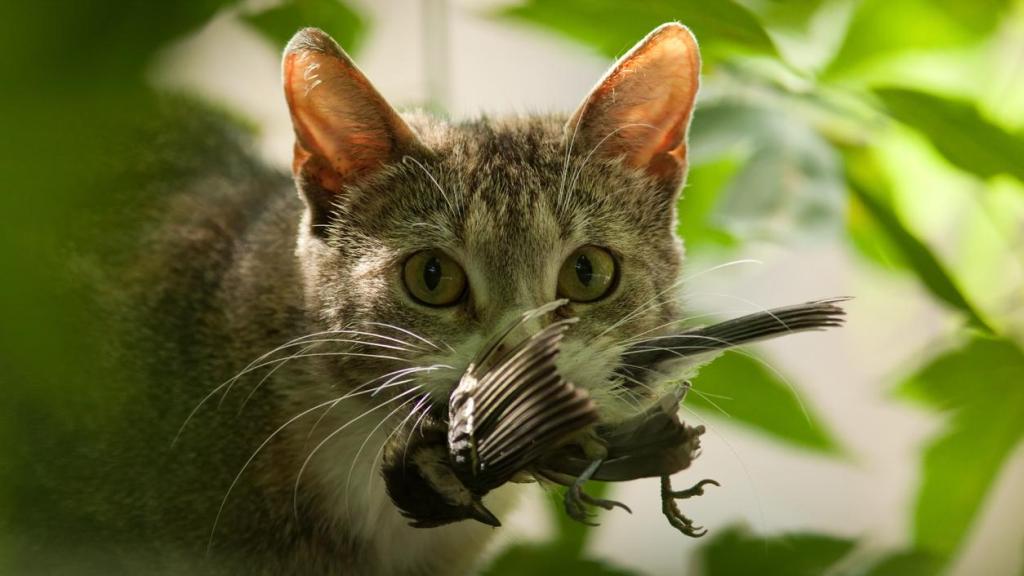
{"x": 284, "y": 338}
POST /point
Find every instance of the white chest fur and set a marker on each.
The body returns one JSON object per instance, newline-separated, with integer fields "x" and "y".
{"x": 360, "y": 505}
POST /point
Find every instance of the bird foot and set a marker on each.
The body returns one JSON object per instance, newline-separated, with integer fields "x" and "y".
{"x": 671, "y": 509}
{"x": 578, "y": 502}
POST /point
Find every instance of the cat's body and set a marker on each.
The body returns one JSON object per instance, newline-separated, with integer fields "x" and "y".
{"x": 218, "y": 284}
{"x": 282, "y": 475}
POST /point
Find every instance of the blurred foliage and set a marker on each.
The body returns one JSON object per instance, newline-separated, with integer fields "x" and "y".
{"x": 564, "y": 553}
{"x": 986, "y": 424}
{"x": 548, "y": 558}
{"x": 908, "y": 563}
{"x": 865, "y": 178}
{"x": 881, "y": 28}
{"x": 74, "y": 111}
{"x": 778, "y": 412}
{"x": 786, "y": 178}
{"x": 723, "y": 26}
{"x": 735, "y": 552}
{"x": 957, "y": 130}
{"x": 77, "y": 92}
{"x": 279, "y": 23}
{"x": 702, "y": 186}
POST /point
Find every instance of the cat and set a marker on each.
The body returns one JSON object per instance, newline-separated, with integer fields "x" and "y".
{"x": 283, "y": 338}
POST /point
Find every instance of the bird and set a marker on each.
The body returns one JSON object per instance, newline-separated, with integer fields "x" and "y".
{"x": 512, "y": 417}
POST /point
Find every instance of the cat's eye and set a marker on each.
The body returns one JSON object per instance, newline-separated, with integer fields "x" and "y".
{"x": 434, "y": 278}
{"x": 588, "y": 274}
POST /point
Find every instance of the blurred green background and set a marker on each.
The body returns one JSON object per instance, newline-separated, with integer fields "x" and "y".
{"x": 893, "y": 128}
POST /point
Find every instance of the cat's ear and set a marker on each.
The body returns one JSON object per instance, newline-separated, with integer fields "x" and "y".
{"x": 344, "y": 129}
{"x": 640, "y": 111}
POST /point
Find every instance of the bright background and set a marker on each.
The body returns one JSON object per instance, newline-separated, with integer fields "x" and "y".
{"x": 840, "y": 147}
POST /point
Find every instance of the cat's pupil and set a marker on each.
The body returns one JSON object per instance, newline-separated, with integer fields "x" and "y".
{"x": 432, "y": 273}
{"x": 584, "y": 270}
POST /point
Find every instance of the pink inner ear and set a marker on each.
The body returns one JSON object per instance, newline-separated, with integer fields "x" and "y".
{"x": 326, "y": 121}
{"x": 344, "y": 129}
{"x": 641, "y": 109}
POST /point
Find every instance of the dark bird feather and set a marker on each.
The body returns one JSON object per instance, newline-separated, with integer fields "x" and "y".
{"x": 648, "y": 355}
{"x": 653, "y": 443}
{"x": 503, "y": 419}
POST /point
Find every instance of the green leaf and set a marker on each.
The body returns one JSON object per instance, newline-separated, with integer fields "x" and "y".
{"x": 958, "y": 131}
{"x": 789, "y": 181}
{"x": 866, "y": 183}
{"x": 908, "y": 563}
{"x": 563, "y": 554}
{"x": 881, "y": 28}
{"x": 869, "y": 238}
{"x": 280, "y": 23}
{"x": 752, "y": 395}
{"x": 786, "y": 15}
{"x": 736, "y": 552}
{"x": 571, "y": 536}
{"x": 704, "y": 185}
{"x": 612, "y": 27}
{"x": 981, "y": 386}
{"x": 548, "y": 559}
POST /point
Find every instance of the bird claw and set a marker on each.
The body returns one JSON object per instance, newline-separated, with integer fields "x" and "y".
{"x": 670, "y": 508}
{"x": 578, "y": 502}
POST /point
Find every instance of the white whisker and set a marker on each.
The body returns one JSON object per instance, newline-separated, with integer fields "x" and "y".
{"x": 419, "y": 424}
{"x": 305, "y": 464}
{"x": 637, "y": 337}
{"x": 271, "y": 373}
{"x": 753, "y": 304}
{"x": 572, "y": 183}
{"x": 710, "y": 401}
{"x": 346, "y": 353}
{"x": 404, "y": 331}
{"x": 568, "y": 150}
{"x": 259, "y": 363}
{"x": 380, "y": 451}
{"x": 739, "y": 460}
{"x": 640, "y": 308}
{"x": 223, "y": 502}
{"x": 451, "y": 207}
{"x": 391, "y": 383}
{"x": 355, "y": 459}
{"x": 235, "y": 377}
{"x": 676, "y": 351}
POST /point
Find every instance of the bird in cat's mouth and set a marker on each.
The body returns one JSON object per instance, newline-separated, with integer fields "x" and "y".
{"x": 513, "y": 417}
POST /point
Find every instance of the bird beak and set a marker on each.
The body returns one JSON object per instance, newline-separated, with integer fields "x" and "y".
{"x": 479, "y": 512}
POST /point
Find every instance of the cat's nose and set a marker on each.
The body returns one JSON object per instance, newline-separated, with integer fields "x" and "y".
{"x": 514, "y": 339}
{"x": 518, "y": 323}
{"x": 523, "y": 329}
{"x": 503, "y": 350}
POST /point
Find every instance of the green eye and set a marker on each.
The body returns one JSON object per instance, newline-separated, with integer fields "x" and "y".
{"x": 433, "y": 278}
{"x": 588, "y": 274}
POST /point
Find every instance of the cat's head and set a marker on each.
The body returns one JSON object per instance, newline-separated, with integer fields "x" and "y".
{"x": 422, "y": 238}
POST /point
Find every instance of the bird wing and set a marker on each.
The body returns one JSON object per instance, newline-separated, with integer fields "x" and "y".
{"x": 503, "y": 419}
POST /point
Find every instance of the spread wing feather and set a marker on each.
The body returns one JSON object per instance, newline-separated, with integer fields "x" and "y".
{"x": 815, "y": 315}
{"x": 502, "y": 418}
